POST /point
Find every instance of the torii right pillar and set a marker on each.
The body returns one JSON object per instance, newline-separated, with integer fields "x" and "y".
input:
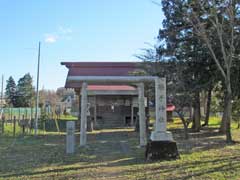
{"x": 161, "y": 144}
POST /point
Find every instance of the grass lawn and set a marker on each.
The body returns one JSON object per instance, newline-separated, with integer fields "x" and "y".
{"x": 114, "y": 154}
{"x": 68, "y": 117}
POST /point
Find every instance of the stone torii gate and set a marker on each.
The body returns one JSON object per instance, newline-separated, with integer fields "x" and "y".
{"x": 159, "y": 134}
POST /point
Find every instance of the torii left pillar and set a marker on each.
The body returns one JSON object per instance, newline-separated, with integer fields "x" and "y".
{"x": 83, "y": 131}
{"x": 142, "y": 115}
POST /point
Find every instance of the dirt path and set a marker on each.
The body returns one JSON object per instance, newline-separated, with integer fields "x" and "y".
{"x": 113, "y": 142}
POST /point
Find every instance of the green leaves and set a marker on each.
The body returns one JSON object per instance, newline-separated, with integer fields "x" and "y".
{"x": 10, "y": 92}
{"x": 25, "y": 91}
{"x": 20, "y": 95}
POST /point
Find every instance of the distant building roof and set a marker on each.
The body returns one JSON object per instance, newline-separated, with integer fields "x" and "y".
{"x": 170, "y": 107}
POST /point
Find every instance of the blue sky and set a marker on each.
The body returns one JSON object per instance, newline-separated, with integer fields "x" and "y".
{"x": 72, "y": 30}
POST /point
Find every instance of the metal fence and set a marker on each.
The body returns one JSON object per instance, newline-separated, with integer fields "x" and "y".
{"x": 20, "y": 121}
{"x": 19, "y": 113}
{"x": 16, "y": 120}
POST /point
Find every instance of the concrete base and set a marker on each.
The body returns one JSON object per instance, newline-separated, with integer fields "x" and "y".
{"x": 161, "y": 136}
{"x": 161, "y": 150}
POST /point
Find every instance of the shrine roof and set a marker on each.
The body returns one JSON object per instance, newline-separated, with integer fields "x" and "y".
{"x": 100, "y": 69}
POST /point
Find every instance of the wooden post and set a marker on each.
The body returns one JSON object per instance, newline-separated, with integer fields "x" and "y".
{"x": 23, "y": 124}
{"x": 79, "y": 110}
{"x": 83, "y": 135}
{"x": 31, "y": 121}
{"x": 14, "y": 125}
{"x": 19, "y": 114}
{"x": 95, "y": 111}
{"x": 26, "y": 113}
{"x": 11, "y": 114}
{"x": 132, "y": 113}
{"x": 3, "y": 120}
{"x": 142, "y": 115}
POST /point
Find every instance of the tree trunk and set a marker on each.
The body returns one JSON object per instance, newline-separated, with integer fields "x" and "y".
{"x": 222, "y": 128}
{"x": 185, "y": 125}
{"x": 191, "y": 113}
{"x": 197, "y": 114}
{"x": 228, "y": 112}
{"x": 209, "y": 99}
{"x": 186, "y": 136}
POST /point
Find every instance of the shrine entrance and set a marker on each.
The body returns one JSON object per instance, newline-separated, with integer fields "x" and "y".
{"x": 82, "y": 80}
{"x": 112, "y": 111}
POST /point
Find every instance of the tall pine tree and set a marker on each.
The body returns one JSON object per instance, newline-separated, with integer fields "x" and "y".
{"x": 25, "y": 92}
{"x": 204, "y": 34}
{"x": 10, "y": 92}
{"x": 180, "y": 44}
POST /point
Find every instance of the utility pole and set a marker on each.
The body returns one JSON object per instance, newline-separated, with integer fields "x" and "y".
{"x": 37, "y": 93}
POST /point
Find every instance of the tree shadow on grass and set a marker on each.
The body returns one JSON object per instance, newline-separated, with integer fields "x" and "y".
{"x": 206, "y": 139}
{"x": 221, "y": 168}
{"x": 57, "y": 170}
{"x": 37, "y": 152}
{"x": 154, "y": 171}
{"x": 188, "y": 170}
{"x": 104, "y": 148}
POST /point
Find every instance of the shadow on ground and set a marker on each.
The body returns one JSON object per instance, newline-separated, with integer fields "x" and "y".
{"x": 21, "y": 156}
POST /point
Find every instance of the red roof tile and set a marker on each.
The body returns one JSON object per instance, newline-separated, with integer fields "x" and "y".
{"x": 170, "y": 107}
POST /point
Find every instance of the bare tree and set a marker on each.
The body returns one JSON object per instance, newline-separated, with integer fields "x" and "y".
{"x": 216, "y": 20}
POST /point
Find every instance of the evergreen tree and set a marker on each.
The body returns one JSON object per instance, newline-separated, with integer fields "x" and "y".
{"x": 10, "y": 92}
{"x": 221, "y": 37}
{"x": 25, "y": 91}
{"x": 204, "y": 34}
{"x": 180, "y": 44}
{"x": 180, "y": 47}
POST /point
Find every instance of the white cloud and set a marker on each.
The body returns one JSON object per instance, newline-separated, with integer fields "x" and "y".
{"x": 62, "y": 33}
{"x": 51, "y": 38}
{"x": 63, "y": 30}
